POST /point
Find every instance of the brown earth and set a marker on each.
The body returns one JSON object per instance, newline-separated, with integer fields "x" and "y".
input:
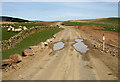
{"x": 86, "y": 20}
{"x": 110, "y": 37}
{"x": 67, "y": 63}
{"x": 49, "y": 23}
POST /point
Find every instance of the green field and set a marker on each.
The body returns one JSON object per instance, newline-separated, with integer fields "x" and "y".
{"x": 6, "y": 35}
{"x": 109, "y": 20}
{"x": 31, "y": 40}
{"x": 107, "y": 27}
{"x": 28, "y": 25}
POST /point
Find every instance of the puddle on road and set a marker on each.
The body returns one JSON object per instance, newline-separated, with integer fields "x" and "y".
{"x": 58, "y": 46}
{"x": 80, "y": 46}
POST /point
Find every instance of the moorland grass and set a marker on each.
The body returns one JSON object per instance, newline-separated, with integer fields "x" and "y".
{"x": 31, "y": 40}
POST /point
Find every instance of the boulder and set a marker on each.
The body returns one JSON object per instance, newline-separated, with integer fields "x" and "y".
{"x": 15, "y": 58}
{"x": 42, "y": 45}
{"x": 54, "y": 36}
{"x": 45, "y": 44}
{"x": 51, "y": 39}
{"x": 48, "y": 41}
{"x": 34, "y": 47}
{"x": 5, "y": 62}
{"x": 28, "y": 52}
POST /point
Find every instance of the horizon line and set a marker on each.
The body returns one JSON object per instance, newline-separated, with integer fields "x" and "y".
{"x": 58, "y": 20}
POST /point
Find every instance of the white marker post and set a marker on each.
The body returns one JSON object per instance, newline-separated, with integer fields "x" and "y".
{"x": 103, "y": 42}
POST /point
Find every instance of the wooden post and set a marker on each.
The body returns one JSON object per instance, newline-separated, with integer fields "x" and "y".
{"x": 103, "y": 42}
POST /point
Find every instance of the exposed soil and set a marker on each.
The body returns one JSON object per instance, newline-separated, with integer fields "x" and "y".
{"x": 67, "y": 63}
{"x": 110, "y": 37}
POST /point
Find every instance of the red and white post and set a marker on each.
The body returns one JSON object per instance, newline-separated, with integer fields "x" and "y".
{"x": 103, "y": 41}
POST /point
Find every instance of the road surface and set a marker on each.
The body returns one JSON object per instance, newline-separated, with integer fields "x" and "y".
{"x": 63, "y": 64}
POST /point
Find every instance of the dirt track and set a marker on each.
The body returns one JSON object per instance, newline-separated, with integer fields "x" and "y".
{"x": 67, "y": 63}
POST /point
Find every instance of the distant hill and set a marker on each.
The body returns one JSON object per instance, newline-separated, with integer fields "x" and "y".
{"x": 108, "y": 20}
{"x": 112, "y": 20}
{"x": 12, "y": 19}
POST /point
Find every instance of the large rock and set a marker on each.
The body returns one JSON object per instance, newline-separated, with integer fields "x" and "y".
{"x": 48, "y": 41}
{"x": 54, "y": 36}
{"x": 45, "y": 44}
{"x": 41, "y": 45}
{"x": 34, "y": 47}
{"x": 28, "y": 52}
{"x": 5, "y": 62}
{"x": 51, "y": 39}
{"x": 15, "y": 58}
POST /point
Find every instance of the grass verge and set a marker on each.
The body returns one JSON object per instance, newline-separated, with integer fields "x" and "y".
{"x": 31, "y": 40}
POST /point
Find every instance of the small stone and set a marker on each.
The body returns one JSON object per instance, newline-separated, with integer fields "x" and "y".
{"x": 109, "y": 73}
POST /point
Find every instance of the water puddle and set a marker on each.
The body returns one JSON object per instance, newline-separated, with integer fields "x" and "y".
{"x": 80, "y": 46}
{"x": 58, "y": 46}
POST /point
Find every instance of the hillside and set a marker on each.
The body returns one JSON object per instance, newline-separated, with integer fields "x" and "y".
{"x": 112, "y": 20}
{"x": 12, "y": 19}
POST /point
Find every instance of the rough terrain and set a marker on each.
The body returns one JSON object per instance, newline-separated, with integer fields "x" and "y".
{"x": 66, "y": 63}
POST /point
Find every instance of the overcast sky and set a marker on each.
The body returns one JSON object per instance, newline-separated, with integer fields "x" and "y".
{"x": 47, "y": 11}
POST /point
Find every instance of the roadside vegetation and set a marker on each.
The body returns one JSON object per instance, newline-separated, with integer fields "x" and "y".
{"x": 112, "y": 26}
{"x": 31, "y": 40}
{"x": 6, "y": 35}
